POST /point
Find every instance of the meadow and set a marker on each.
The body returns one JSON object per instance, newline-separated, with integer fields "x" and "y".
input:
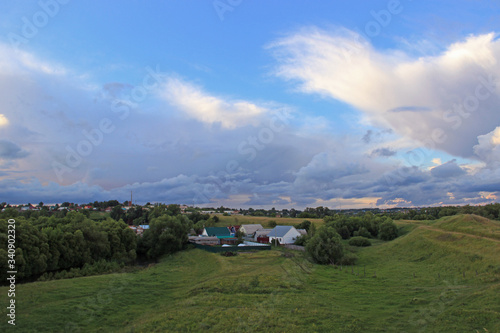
{"x": 437, "y": 277}
{"x": 263, "y": 220}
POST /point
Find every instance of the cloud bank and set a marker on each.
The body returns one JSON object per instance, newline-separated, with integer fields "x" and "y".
{"x": 443, "y": 101}
{"x": 182, "y": 143}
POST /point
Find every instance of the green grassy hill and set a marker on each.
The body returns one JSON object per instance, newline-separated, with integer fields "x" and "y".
{"x": 433, "y": 279}
{"x": 471, "y": 224}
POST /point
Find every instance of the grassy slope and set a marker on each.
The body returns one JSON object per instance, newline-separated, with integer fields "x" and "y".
{"x": 471, "y": 224}
{"x": 415, "y": 283}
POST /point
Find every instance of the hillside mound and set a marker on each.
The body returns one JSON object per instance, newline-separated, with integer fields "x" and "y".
{"x": 470, "y": 224}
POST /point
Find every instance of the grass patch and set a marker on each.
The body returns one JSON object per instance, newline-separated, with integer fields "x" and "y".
{"x": 263, "y": 220}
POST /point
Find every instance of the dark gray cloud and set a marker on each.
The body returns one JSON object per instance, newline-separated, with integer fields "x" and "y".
{"x": 9, "y": 150}
{"x": 411, "y": 109}
{"x": 447, "y": 170}
{"x": 367, "y": 138}
{"x": 383, "y": 152}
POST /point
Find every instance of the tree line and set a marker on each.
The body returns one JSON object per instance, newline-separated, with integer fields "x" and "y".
{"x": 325, "y": 245}
{"x": 46, "y": 246}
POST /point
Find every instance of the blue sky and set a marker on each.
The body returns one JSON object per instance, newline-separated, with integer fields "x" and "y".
{"x": 250, "y": 103}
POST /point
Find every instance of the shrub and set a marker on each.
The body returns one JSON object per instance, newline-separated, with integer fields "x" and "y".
{"x": 271, "y": 224}
{"x": 359, "y": 241}
{"x": 325, "y": 246}
{"x": 344, "y": 232}
{"x": 363, "y": 232}
{"x": 301, "y": 240}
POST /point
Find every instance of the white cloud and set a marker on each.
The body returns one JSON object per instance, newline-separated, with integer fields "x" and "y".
{"x": 15, "y": 61}
{"x": 488, "y": 148}
{"x": 415, "y": 97}
{"x": 3, "y": 120}
{"x": 206, "y": 108}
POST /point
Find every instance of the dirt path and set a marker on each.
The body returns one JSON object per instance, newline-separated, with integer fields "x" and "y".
{"x": 458, "y": 233}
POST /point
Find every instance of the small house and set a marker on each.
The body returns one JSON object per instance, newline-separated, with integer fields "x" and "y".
{"x": 302, "y": 232}
{"x": 250, "y": 229}
{"x": 262, "y": 235}
{"x": 204, "y": 240}
{"x": 283, "y": 234}
{"x": 219, "y": 232}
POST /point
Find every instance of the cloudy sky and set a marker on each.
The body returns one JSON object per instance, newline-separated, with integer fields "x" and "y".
{"x": 250, "y": 103}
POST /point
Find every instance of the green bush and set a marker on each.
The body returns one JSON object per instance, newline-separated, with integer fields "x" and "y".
{"x": 344, "y": 232}
{"x": 359, "y": 241}
{"x": 363, "y": 232}
{"x": 301, "y": 240}
{"x": 325, "y": 247}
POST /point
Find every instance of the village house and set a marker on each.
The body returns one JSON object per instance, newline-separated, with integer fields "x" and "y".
{"x": 219, "y": 232}
{"x": 261, "y": 236}
{"x": 283, "y": 234}
{"x": 204, "y": 240}
{"x": 250, "y": 229}
{"x": 302, "y": 232}
{"x": 222, "y": 233}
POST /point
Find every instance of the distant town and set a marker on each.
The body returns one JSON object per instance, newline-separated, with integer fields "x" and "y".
{"x": 114, "y": 205}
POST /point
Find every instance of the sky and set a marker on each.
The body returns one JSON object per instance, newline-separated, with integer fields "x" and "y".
{"x": 285, "y": 104}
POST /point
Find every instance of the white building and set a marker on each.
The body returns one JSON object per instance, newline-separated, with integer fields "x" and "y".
{"x": 283, "y": 234}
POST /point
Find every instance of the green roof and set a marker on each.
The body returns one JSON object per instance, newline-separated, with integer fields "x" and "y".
{"x": 219, "y": 232}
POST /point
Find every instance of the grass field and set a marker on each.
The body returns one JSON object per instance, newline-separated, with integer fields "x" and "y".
{"x": 264, "y": 221}
{"x": 428, "y": 280}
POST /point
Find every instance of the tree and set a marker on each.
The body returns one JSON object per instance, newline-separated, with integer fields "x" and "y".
{"x": 344, "y": 232}
{"x": 325, "y": 247}
{"x": 116, "y": 213}
{"x": 239, "y": 234}
{"x": 304, "y": 225}
{"x": 166, "y": 234}
{"x": 388, "y": 230}
{"x": 173, "y": 210}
